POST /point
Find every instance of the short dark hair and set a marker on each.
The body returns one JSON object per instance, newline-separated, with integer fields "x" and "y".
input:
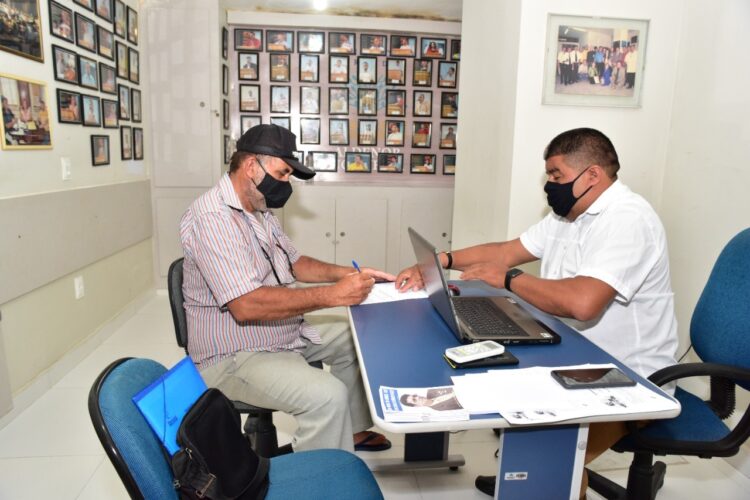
{"x": 238, "y": 158}
{"x": 583, "y": 147}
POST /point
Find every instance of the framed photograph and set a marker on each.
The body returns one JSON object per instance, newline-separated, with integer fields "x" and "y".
{"x": 68, "y": 106}
{"x": 395, "y": 71}
{"x": 135, "y": 105}
{"x": 123, "y": 94}
{"x": 455, "y": 50}
{"x": 225, "y": 79}
{"x": 138, "y": 143}
{"x": 448, "y": 135}
{"x": 92, "y": 116}
{"x": 21, "y": 29}
{"x": 121, "y": 60}
{"x": 126, "y": 143}
{"x": 367, "y": 102}
{"x": 134, "y": 66}
{"x": 422, "y": 103}
{"x": 61, "y": 21}
{"x": 85, "y": 33}
{"x": 279, "y": 41}
{"x": 247, "y": 122}
{"x": 422, "y": 74}
{"x": 367, "y": 133}
{"x": 358, "y": 162}
{"x": 403, "y": 45}
{"x": 309, "y": 100}
{"x": 392, "y": 163}
{"x": 394, "y": 132}
{"x": 109, "y": 114}
{"x": 245, "y": 39}
{"x": 106, "y": 43}
{"x": 227, "y": 150}
{"x": 224, "y": 43}
{"x": 367, "y": 70}
{"x": 324, "y": 161}
{"x": 86, "y": 4}
{"x": 250, "y": 98}
{"x": 338, "y": 131}
{"x": 309, "y": 130}
{"x": 99, "y": 150}
{"x": 421, "y": 134}
{"x": 104, "y": 9}
{"x": 281, "y": 121}
{"x": 107, "y": 79}
{"x": 433, "y": 48}
{"x": 65, "y": 63}
{"x": 308, "y": 68}
{"x": 447, "y": 72}
{"x": 422, "y": 164}
{"x": 88, "y": 73}
{"x": 341, "y": 43}
{"x": 311, "y": 42}
{"x": 280, "y": 67}
{"x": 132, "y": 26}
{"x": 338, "y": 69}
{"x": 25, "y": 123}
{"x": 449, "y": 164}
{"x": 338, "y": 101}
{"x": 594, "y": 61}
{"x": 121, "y": 19}
{"x": 449, "y": 105}
{"x": 373, "y": 44}
{"x": 395, "y": 103}
{"x": 280, "y": 99}
{"x": 247, "y": 64}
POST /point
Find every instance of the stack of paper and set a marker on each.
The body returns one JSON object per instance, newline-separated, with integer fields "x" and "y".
{"x": 387, "y": 292}
{"x": 421, "y": 404}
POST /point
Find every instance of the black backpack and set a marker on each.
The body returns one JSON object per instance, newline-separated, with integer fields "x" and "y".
{"x": 215, "y": 460}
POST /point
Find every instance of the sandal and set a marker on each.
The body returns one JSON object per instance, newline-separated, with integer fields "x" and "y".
{"x": 365, "y": 444}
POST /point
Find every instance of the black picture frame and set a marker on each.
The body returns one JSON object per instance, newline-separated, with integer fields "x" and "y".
{"x": 318, "y": 163}
{"x": 367, "y": 136}
{"x": 367, "y": 102}
{"x": 418, "y": 164}
{"x": 449, "y": 164}
{"x": 309, "y": 68}
{"x": 422, "y": 73}
{"x": 65, "y": 65}
{"x": 135, "y": 106}
{"x": 248, "y": 39}
{"x": 364, "y": 166}
{"x": 224, "y": 79}
{"x": 134, "y": 66}
{"x": 338, "y": 73}
{"x": 395, "y": 102}
{"x": 85, "y": 33}
{"x": 282, "y": 121}
{"x": 99, "y": 150}
{"x": 422, "y": 107}
{"x": 309, "y": 100}
{"x": 395, "y": 71}
{"x": 249, "y": 121}
{"x": 104, "y": 10}
{"x": 106, "y": 43}
{"x": 120, "y": 22}
{"x": 86, "y": 4}
{"x": 309, "y": 130}
{"x": 340, "y": 42}
{"x": 280, "y": 41}
{"x": 224, "y": 43}
{"x": 403, "y": 46}
{"x": 311, "y": 42}
{"x": 225, "y": 113}
{"x": 280, "y": 67}
{"x": 109, "y": 114}
{"x": 449, "y": 105}
{"x": 373, "y": 44}
{"x": 126, "y": 142}
{"x": 249, "y": 100}
{"x": 122, "y": 61}
{"x": 123, "y": 100}
{"x": 107, "y": 79}
{"x": 448, "y": 135}
{"x": 338, "y": 131}
{"x": 455, "y": 50}
{"x": 132, "y": 26}
{"x": 137, "y": 143}
{"x": 447, "y": 79}
{"x": 61, "y": 22}
{"x": 433, "y": 48}
{"x": 281, "y": 99}
{"x": 388, "y": 166}
{"x": 227, "y": 153}
{"x": 69, "y": 107}
{"x": 367, "y": 70}
{"x": 247, "y": 66}
{"x": 338, "y": 100}
{"x": 91, "y": 111}
{"x": 88, "y": 73}
{"x": 421, "y": 135}
{"x": 395, "y": 131}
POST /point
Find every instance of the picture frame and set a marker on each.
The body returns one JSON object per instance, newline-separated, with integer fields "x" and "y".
{"x": 391, "y": 163}
{"x": 137, "y": 143}
{"x": 104, "y": 9}
{"x": 224, "y": 43}
{"x": 341, "y": 43}
{"x": 394, "y": 132}
{"x": 247, "y": 65}
{"x": 18, "y": 42}
{"x": 373, "y": 44}
{"x": 449, "y": 164}
{"x": 421, "y": 134}
{"x": 107, "y": 81}
{"x": 65, "y": 65}
{"x": 422, "y": 73}
{"x": 324, "y": 161}
{"x": 311, "y": 42}
{"x": 355, "y": 161}
{"x": 309, "y": 100}
{"x": 126, "y": 142}
{"x": 447, "y": 74}
{"x": 449, "y": 105}
{"x": 132, "y": 26}
{"x": 367, "y": 132}
{"x": 338, "y": 100}
{"x": 88, "y": 73}
{"x": 338, "y": 69}
{"x": 135, "y": 105}
{"x": 250, "y": 98}
{"x": 106, "y": 45}
{"x": 68, "y": 106}
{"x": 282, "y": 121}
{"x": 455, "y": 50}
{"x": 367, "y": 69}
{"x": 247, "y": 122}
{"x": 367, "y": 102}
{"x": 86, "y": 4}
{"x": 122, "y": 60}
{"x": 395, "y": 72}
{"x": 92, "y": 112}
{"x": 280, "y": 67}
{"x": 134, "y": 66}
{"x": 227, "y": 150}
{"x": 123, "y": 98}
{"x": 309, "y": 68}
{"x": 586, "y": 61}
{"x": 85, "y": 33}
{"x": 422, "y": 164}
{"x": 279, "y": 41}
{"x": 422, "y": 103}
{"x": 248, "y": 39}
{"x": 395, "y": 103}
{"x": 309, "y": 130}
{"x": 121, "y": 19}
{"x": 338, "y": 131}
{"x": 433, "y": 48}
{"x": 61, "y": 21}
{"x": 281, "y": 99}
{"x": 26, "y": 122}
{"x": 99, "y": 150}
{"x": 224, "y": 79}
{"x": 403, "y": 45}
{"x": 448, "y": 135}
{"x": 109, "y": 114}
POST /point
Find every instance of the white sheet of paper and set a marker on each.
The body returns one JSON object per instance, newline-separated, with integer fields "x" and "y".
{"x": 386, "y": 292}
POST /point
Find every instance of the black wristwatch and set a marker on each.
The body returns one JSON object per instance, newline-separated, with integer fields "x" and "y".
{"x": 512, "y": 273}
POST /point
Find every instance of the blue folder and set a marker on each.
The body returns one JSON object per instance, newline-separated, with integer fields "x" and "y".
{"x": 165, "y": 402}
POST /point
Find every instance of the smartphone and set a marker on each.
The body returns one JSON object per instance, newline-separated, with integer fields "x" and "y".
{"x": 591, "y": 378}
{"x": 472, "y": 352}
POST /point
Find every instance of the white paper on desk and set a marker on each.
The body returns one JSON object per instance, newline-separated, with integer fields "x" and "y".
{"x": 435, "y": 404}
{"x": 387, "y": 292}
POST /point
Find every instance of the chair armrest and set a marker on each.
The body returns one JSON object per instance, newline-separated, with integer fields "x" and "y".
{"x": 686, "y": 370}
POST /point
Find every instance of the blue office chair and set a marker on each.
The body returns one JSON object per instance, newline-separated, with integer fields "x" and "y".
{"x": 137, "y": 456}
{"x": 720, "y": 334}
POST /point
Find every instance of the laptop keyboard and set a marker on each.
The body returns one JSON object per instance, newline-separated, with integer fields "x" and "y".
{"x": 485, "y": 318}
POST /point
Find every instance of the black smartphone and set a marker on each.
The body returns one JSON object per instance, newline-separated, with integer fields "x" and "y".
{"x": 591, "y": 378}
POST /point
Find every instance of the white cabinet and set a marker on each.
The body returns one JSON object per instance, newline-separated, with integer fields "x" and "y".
{"x": 430, "y": 214}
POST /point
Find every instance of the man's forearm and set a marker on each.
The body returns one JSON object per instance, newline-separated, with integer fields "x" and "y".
{"x": 309, "y": 270}
{"x": 272, "y": 303}
{"x": 510, "y": 253}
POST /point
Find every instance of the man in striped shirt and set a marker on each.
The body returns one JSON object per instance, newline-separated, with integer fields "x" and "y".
{"x": 246, "y": 330}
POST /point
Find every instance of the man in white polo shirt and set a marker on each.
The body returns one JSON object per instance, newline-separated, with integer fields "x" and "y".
{"x": 605, "y": 266}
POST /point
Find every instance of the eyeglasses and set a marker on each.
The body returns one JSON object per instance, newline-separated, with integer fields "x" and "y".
{"x": 273, "y": 268}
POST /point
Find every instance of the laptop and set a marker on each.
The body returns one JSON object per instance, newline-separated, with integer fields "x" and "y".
{"x": 473, "y": 319}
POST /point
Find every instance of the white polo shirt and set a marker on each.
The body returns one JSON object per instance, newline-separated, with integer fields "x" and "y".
{"x": 619, "y": 240}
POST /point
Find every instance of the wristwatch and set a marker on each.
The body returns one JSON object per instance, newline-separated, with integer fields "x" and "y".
{"x": 512, "y": 273}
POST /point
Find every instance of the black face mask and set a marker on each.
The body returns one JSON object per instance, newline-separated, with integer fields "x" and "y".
{"x": 275, "y": 192}
{"x": 560, "y": 196}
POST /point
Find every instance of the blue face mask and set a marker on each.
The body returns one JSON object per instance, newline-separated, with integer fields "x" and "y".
{"x": 560, "y": 196}
{"x": 275, "y": 192}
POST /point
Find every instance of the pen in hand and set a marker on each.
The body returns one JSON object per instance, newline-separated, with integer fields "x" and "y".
{"x": 356, "y": 266}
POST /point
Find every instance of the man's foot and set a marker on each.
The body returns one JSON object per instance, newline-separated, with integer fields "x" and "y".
{"x": 370, "y": 441}
{"x": 486, "y": 484}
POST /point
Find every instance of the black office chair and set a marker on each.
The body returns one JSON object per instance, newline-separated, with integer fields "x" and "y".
{"x": 720, "y": 334}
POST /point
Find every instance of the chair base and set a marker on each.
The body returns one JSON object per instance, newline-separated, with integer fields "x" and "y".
{"x": 644, "y": 480}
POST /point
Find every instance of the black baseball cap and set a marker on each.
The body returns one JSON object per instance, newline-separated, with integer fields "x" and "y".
{"x": 273, "y": 140}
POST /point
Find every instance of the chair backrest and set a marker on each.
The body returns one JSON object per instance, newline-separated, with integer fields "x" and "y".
{"x": 720, "y": 326}
{"x": 125, "y": 435}
{"x": 177, "y": 302}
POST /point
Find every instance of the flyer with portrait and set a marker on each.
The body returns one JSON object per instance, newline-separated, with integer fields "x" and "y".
{"x": 423, "y": 404}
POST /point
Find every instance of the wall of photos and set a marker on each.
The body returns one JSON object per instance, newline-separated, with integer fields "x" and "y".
{"x": 359, "y": 101}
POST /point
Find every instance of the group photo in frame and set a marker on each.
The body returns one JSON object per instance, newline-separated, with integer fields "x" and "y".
{"x": 324, "y": 161}
{"x": 25, "y": 39}
{"x": 391, "y": 163}
{"x": 594, "y": 61}
{"x": 26, "y": 123}
{"x": 355, "y": 161}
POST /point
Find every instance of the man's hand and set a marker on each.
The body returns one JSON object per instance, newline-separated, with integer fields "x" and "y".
{"x": 492, "y": 273}
{"x": 352, "y": 289}
{"x": 409, "y": 279}
{"x": 378, "y": 275}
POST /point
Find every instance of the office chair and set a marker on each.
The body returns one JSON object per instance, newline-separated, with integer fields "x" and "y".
{"x": 136, "y": 453}
{"x": 720, "y": 335}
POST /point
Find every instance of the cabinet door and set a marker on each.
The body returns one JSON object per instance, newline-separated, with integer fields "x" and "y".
{"x": 310, "y": 221}
{"x": 430, "y": 217}
{"x": 361, "y": 231}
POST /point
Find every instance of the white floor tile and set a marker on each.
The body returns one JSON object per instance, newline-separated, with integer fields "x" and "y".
{"x": 105, "y": 483}
{"x": 45, "y": 477}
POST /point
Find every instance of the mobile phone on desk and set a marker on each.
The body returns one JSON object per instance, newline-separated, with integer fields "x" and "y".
{"x": 472, "y": 352}
{"x": 592, "y": 378}
{"x": 506, "y": 358}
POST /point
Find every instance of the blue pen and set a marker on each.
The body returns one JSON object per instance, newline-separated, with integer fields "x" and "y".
{"x": 356, "y": 266}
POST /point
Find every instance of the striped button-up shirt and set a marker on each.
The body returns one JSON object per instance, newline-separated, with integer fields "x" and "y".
{"x": 228, "y": 253}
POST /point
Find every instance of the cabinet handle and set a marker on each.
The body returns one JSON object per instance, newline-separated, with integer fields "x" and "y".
{"x": 343, "y": 233}
{"x": 202, "y": 104}
{"x": 445, "y": 234}
{"x": 328, "y": 235}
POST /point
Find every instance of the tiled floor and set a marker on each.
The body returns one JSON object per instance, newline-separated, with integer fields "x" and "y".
{"x": 50, "y": 450}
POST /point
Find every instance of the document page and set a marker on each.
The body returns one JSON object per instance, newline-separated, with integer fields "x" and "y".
{"x": 387, "y": 292}
{"x": 425, "y": 404}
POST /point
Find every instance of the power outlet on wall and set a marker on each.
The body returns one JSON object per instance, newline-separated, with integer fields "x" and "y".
{"x": 78, "y": 287}
{"x": 65, "y": 166}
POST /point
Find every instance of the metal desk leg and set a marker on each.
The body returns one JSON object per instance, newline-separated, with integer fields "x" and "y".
{"x": 428, "y": 450}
